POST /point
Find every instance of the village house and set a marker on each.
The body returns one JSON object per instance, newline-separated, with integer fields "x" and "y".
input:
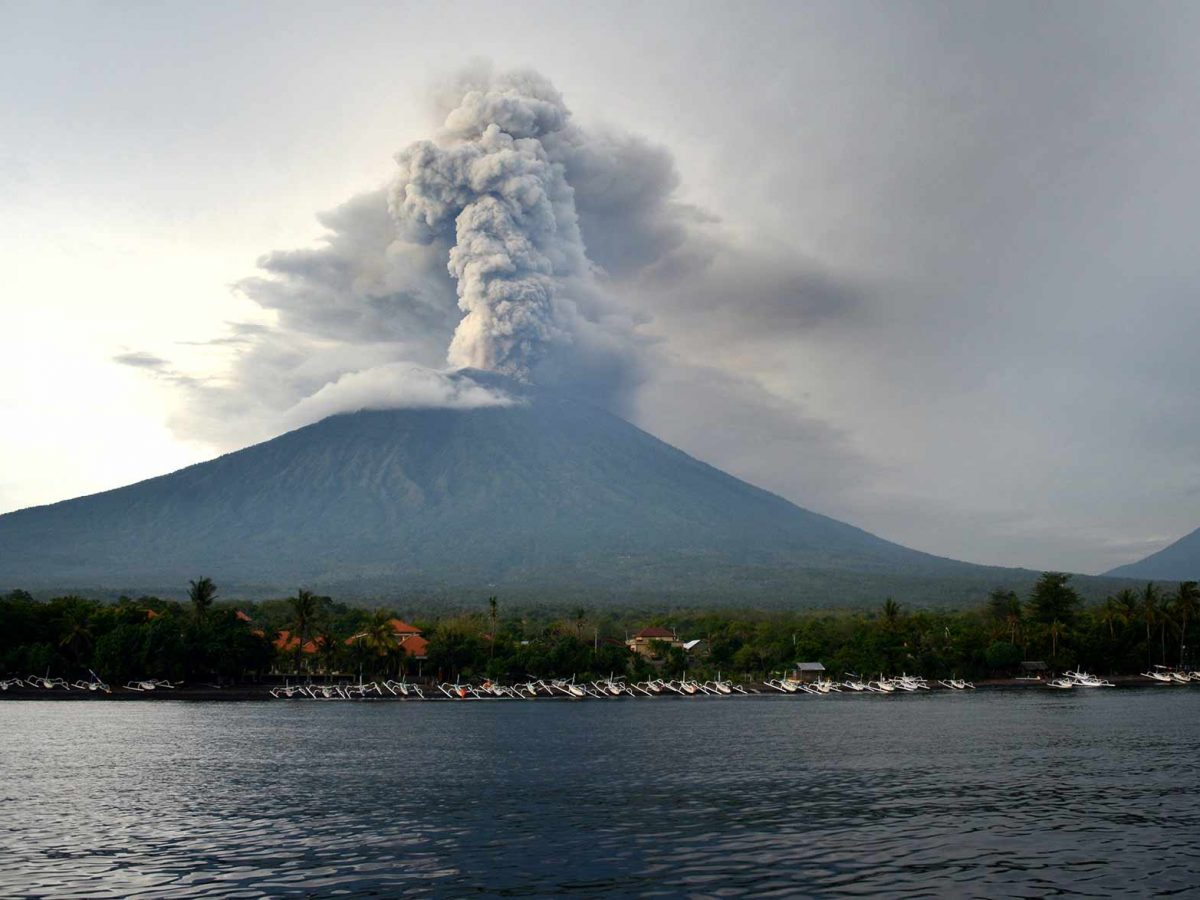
{"x": 408, "y": 638}
{"x": 807, "y": 672}
{"x": 286, "y": 642}
{"x": 647, "y": 639}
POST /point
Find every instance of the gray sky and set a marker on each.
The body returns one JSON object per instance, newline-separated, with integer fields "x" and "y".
{"x": 926, "y": 268}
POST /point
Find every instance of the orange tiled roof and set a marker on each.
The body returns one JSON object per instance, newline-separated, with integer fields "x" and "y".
{"x": 415, "y": 645}
{"x": 287, "y": 641}
{"x": 401, "y": 627}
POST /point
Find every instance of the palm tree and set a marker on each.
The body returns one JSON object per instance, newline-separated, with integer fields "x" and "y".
{"x": 891, "y": 611}
{"x": 1014, "y": 621}
{"x": 202, "y": 593}
{"x": 1005, "y": 607}
{"x": 1150, "y": 611}
{"x": 380, "y": 637}
{"x": 1110, "y": 614}
{"x": 328, "y": 650}
{"x": 580, "y": 619}
{"x": 1127, "y": 600}
{"x": 1183, "y": 604}
{"x": 305, "y": 608}
{"x": 1056, "y": 629}
{"x": 492, "y": 608}
{"x": 77, "y": 631}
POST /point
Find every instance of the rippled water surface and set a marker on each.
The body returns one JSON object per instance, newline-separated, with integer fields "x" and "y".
{"x": 1000, "y": 793}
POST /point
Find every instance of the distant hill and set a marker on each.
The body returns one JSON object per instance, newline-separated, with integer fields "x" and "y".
{"x": 1178, "y": 562}
{"x": 551, "y": 500}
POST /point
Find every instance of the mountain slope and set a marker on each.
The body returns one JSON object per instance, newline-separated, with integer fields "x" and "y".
{"x": 552, "y": 500}
{"x": 1178, "y": 562}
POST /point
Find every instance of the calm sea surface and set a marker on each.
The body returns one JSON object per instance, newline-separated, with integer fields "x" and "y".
{"x": 996, "y": 793}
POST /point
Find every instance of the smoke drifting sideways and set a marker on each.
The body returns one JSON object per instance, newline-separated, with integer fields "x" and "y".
{"x": 515, "y": 241}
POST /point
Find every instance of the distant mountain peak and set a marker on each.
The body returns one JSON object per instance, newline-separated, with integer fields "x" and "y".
{"x": 1179, "y": 561}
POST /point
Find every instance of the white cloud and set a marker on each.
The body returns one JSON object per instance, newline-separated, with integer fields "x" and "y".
{"x": 399, "y": 385}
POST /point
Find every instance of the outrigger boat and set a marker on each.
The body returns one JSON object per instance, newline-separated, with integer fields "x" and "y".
{"x": 1160, "y": 674}
{"x": 1083, "y": 679}
{"x": 957, "y": 684}
{"x": 854, "y": 683}
{"x": 151, "y": 684}
{"x": 96, "y": 684}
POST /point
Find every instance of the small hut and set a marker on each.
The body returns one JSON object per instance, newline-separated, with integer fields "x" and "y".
{"x": 807, "y": 671}
{"x": 1033, "y": 669}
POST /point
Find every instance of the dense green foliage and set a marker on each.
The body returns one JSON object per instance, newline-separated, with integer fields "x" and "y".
{"x": 208, "y": 639}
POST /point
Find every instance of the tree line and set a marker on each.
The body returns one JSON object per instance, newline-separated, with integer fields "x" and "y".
{"x": 207, "y": 639}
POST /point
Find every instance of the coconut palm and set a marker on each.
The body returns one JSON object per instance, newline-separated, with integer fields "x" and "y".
{"x": 328, "y": 651}
{"x": 380, "y": 638}
{"x": 76, "y": 630}
{"x": 1056, "y": 630}
{"x": 492, "y": 606}
{"x": 1127, "y": 599}
{"x": 306, "y": 607}
{"x": 1150, "y": 610}
{"x": 1005, "y": 607}
{"x": 202, "y": 593}
{"x": 1014, "y": 621}
{"x": 1183, "y": 605}
{"x": 1111, "y": 613}
{"x": 891, "y": 611}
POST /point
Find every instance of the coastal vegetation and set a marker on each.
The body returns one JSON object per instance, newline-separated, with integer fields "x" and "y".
{"x": 215, "y": 640}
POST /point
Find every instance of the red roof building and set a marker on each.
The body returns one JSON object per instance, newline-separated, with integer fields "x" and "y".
{"x": 287, "y": 642}
{"x": 408, "y": 638}
{"x": 415, "y": 646}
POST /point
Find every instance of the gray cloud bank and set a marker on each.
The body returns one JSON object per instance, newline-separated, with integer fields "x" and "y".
{"x": 519, "y": 242}
{"x": 950, "y": 294}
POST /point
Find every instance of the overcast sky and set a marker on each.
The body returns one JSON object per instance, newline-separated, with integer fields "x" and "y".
{"x": 927, "y": 268}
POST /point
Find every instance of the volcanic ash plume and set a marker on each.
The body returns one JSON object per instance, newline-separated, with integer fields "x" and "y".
{"x": 488, "y": 187}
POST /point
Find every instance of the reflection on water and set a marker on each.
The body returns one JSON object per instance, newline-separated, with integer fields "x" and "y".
{"x": 996, "y": 793}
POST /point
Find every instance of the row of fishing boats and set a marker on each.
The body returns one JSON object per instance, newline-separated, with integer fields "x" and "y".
{"x": 607, "y": 688}
{"x": 1071, "y": 680}
{"x": 1167, "y": 675}
{"x": 602, "y": 689}
{"x": 1160, "y": 674}
{"x": 46, "y": 683}
{"x": 360, "y": 691}
{"x": 532, "y": 689}
{"x": 882, "y": 685}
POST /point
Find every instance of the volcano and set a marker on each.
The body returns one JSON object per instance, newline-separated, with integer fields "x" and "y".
{"x": 548, "y": 499}
{"x": 1179, "y": 561}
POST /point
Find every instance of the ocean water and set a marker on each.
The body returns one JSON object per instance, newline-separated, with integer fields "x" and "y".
{"x": 993, "y": 793}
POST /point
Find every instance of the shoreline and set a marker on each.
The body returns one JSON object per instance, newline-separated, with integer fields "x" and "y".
{"x": 261, "y": 692}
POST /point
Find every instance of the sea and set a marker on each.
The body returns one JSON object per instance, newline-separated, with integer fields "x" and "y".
{"x": 992, "y": 793}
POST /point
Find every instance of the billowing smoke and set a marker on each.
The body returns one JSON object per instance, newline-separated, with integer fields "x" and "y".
{"x": 518, "y": 241}
{"x": 489, "y": 185}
